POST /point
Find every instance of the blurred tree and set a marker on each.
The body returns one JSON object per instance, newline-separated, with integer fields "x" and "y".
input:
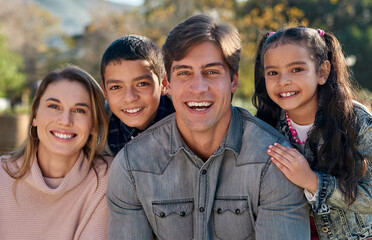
{"x": 12, "y": 81}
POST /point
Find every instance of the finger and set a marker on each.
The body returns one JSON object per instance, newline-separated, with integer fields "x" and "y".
{"x": 279, "y": 157}
{"x": 287, "y": 150}
{"x": 279, "y": 165}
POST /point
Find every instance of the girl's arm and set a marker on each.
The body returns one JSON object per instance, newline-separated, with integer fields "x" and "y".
{"x": 328, "y": 194}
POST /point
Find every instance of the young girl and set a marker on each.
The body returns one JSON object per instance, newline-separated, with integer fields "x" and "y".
{"x": 302, "y": 88}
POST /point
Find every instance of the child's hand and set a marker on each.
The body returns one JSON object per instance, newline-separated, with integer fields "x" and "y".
{"x": 294, "y": 166}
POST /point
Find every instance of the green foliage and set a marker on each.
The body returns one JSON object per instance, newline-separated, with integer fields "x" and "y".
{"x": 12, "y": 80}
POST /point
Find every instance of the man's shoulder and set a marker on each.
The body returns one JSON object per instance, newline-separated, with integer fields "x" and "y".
{"x": 256, "y": 137}
{"x": 259, "y": 127}
{"x": 147, "y": 152}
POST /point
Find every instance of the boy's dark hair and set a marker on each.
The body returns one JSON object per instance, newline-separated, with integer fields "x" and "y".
{"x": 133, "y": 47}
{"x": 339, "y": 154}
{"x": 197, "y": 29}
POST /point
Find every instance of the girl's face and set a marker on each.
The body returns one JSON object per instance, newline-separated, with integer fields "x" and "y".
{"x": 63, "y": 119}
{"x": 292, "y": 81}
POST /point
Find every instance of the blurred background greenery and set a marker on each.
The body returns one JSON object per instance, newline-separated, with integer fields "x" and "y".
{"x": 39, "y": 35}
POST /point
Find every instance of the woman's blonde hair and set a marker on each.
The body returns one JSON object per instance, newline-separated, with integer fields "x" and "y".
{"x": 96, "y": 140}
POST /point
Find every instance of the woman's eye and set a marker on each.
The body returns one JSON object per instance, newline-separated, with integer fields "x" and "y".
{"x": 80, "y": 110}
{"x": 53, "y": 106}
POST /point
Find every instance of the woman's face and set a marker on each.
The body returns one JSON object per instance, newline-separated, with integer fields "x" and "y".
{"x": 63, "y": 119}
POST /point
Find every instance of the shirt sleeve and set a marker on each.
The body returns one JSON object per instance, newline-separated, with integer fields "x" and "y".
{"x": 97, "y": 225}
{"x": 127, "y": 219}
{"x": 330, "y": 195}
{"x": 283, "y": 211}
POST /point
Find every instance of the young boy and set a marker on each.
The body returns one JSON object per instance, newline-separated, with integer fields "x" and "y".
{"x": 134, "y": 83}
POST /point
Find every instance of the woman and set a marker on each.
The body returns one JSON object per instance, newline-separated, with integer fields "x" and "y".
{"x": 53, "y": 187}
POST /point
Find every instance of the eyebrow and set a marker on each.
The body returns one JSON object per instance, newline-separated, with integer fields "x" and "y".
{"x": 58, "y": 101}
{"x": 290, "y": 64}
{"x": 141, "y": 77}
{"x": 176, "y": 67}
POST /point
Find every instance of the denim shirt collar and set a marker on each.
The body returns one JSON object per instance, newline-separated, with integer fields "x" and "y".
{"x": 232, "y": 140}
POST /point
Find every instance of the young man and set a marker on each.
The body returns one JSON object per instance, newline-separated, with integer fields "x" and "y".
{"x": 204, "y": 173}
{"x": 134, "y": 83}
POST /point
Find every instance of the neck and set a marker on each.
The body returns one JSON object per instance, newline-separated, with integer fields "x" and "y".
{"x": 54, "y": 165}
{"x": 302, "y": 118}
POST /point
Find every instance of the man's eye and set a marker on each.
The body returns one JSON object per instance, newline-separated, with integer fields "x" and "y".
{"x": 142, "y": 84}
{"x": 209, "y": 72}
{"x": 182, "y": 73}
{"x": 297, "y": 70}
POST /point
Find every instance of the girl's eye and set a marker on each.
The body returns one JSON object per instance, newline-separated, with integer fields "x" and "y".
{"x": 115, "y": 87}
{"x": 271, "y": 73}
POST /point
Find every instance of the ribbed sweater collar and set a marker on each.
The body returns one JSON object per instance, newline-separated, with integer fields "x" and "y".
{"x": 73, "y": 178}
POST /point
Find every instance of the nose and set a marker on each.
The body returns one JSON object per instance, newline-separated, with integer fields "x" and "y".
{"x": 65, "y": 118}
{"x": 198, "y": 84}
{"x": 130, "y": 95}
{"x": 284, "y": 80}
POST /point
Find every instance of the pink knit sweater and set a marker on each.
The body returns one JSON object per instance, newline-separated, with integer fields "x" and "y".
{"x": 76, "y": 209}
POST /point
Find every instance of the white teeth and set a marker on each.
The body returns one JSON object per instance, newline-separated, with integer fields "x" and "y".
{"x": 132, "y": 110}
{"x": 199, "y": 104}
{"x": 287, "y": 94}
{"x": 64, "y": 136}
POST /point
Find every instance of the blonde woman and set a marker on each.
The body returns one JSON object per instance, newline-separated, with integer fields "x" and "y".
{"x": 53, "y": 187}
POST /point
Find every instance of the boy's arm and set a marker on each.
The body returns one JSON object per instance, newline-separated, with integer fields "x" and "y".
{"x": 283, "y": 212}
{"x": 127, "y": 219}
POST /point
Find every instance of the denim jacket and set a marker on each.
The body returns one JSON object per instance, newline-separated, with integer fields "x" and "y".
{"x": 333, "y": 218}
{"x": 159, "y": 188}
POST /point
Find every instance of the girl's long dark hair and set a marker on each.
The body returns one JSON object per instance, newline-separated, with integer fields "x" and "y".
{"x": 338, "y": 155}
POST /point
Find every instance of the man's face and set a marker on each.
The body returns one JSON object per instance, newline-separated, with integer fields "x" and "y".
{"x": 133, "y": 92}
{"x": 201, "y": 88}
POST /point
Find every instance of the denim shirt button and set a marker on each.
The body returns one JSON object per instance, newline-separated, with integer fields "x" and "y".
{"x": 237, "y": 211}
{"x": 204, "y": 171}
{"x": 162, "y": 214}
{"x": 201, "y": 209}
{"x": 325, "y": 229}
{"x": 219, "y": 211}
{"x": 182, "y": 214}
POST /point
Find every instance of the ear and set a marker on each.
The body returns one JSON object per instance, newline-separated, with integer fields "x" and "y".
{"x": 164, "y": 85}
{"x": 34, "y": 123}
{"x": 234, "y": 82}
{"x": 103, "y": 88}
{"x": 324, "y": 71}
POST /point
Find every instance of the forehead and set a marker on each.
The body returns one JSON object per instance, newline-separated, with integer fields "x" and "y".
{"x": 128, "y": 69}
{"x": 286, "y": 52}
{"x": 201, "y": 54}
{"x": 66, "y": 90}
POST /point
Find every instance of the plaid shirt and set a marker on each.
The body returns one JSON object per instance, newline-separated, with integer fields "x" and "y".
{"x": 119, "y": 133}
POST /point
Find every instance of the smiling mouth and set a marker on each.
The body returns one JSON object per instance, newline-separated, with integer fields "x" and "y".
{"x": 199, "y": 106}
{"x": 287, "y": 94}
{"x": 63, "y": 135}
{"x": 134, "y": 110}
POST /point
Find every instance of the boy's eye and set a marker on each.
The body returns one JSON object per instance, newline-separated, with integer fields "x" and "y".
{"x": 115, "y": 87}
{"x": 183, "y": 73}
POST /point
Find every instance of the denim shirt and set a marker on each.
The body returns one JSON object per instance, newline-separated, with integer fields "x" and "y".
{"x": 159, "y": 188}
{"x": 333, "y": 218}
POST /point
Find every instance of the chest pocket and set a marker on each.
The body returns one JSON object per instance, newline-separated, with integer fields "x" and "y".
{"x": 173, "y": 219}
{"x": 232, "y": 218}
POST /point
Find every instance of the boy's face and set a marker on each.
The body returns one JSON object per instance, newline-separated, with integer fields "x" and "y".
{"x": 133, "y": 92}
